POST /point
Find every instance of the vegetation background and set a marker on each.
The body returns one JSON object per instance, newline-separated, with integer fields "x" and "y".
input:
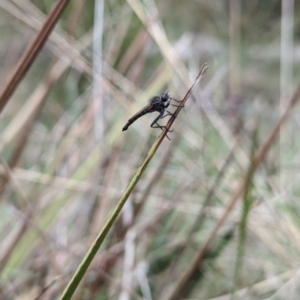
{"x": 65, "y": 161}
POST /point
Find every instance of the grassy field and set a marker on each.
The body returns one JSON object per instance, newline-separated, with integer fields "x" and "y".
{"x": 213, "y": 213}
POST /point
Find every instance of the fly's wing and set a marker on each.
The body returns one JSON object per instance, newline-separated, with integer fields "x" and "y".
{"x": 148, "y": 108}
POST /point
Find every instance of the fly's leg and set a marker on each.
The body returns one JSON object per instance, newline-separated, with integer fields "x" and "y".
{"x": 162, "y": 128}
{"x": 177, "y": 105}
{"x": 160, "y": 116}
{"x": 169, "y": 114}
{"x": 176, "y": 100}
{"x": 154, "y": 124}
{"x": 157, "y": 118}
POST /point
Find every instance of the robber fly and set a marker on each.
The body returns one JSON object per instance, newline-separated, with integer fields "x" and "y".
{"x": 157, "y": 103}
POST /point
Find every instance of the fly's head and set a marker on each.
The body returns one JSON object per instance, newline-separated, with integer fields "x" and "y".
{"x": 165, "y": 98}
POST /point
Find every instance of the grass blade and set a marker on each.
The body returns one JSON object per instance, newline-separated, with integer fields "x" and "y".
{"x": 81, "y": 270}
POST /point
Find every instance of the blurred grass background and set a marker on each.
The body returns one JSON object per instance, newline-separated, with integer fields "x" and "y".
{"x": 65, "y": 161}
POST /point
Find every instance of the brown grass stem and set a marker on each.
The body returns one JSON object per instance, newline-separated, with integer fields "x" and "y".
{"x": 32, "y": 52}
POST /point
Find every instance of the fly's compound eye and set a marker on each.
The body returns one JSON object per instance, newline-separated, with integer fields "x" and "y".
{"x": 164, "y": 97}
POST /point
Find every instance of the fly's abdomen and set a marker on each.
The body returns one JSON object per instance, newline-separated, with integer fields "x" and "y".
{"x": 126, "y": 126}
{"x": 134, "y": 118}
